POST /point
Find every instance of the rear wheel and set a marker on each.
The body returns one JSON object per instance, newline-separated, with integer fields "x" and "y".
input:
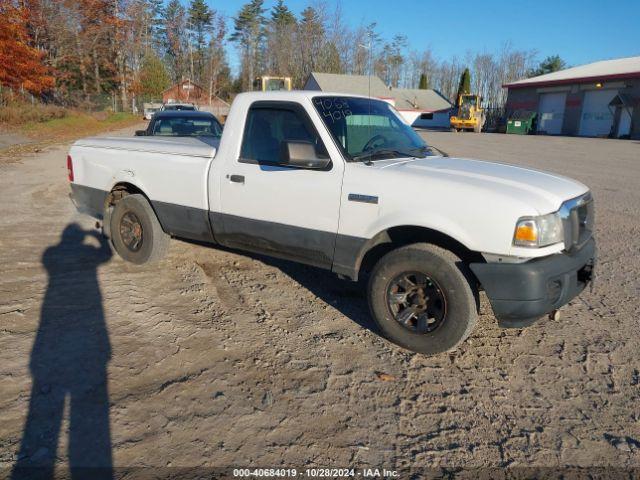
{"x": 135, "y": 231}
{"x": 421, "y": 297}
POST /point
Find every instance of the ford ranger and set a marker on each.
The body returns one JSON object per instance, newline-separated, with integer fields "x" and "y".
{"x": 343, "y": 183}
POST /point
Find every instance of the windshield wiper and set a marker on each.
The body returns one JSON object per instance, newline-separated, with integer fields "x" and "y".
{"x": 431, "y": 151}
{"x": 424, "y": 150}
{"x": 382, "y": 151}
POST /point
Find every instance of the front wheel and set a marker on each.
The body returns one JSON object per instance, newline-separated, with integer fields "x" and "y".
{"x": 423, "y": 299}
{"x": 135, "y": 231}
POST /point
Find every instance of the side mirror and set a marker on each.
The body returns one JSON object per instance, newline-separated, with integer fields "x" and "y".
{"x": 301, "y": 154}
{"x": 141, "y": 133}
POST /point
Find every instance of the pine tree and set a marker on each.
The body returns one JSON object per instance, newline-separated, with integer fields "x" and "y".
{"x": 311, "y": 19}
{"x": 548, "y": 65}
{"x": 281, "y": 15}
{"x": 249, "y": 34}
{"x": 464, "y": 87}
{"x": 156, "y": 11}
{"x": 331, "y": 62}
{"x": 200, "y": 18}
{"x": 173, "y": 33}
{"x": 280, "y": 40}
{"x": 424, "y": 82}
{"x": 312, "y": 38}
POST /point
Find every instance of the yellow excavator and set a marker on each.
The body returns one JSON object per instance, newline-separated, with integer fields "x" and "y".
{"x": 470, "y": 116}
{"x": 268, "y": 84}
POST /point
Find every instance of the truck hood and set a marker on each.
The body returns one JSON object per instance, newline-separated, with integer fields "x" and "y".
{"x": 542, "y": 190}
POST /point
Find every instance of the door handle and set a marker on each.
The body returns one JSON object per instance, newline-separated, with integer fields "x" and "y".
{"x": 237, "y": 178}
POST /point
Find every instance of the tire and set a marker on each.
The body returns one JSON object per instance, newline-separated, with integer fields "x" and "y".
{"x": 452, "y": 308}
{"x": 145, "y": 244}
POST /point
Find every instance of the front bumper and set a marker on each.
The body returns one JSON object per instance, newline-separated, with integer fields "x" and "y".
{"x": 521, "y": 293}
{"x": 462, "y": 123}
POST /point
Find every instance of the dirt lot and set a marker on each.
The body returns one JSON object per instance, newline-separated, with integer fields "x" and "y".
{"x": 218, "y": 359}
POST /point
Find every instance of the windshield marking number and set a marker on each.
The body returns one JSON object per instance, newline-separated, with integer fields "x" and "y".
{"x": 335, "y": 109}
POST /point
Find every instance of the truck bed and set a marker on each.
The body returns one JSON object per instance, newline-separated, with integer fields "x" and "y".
{"x": 189, "y": 146}
{"x": 171, "y": 171}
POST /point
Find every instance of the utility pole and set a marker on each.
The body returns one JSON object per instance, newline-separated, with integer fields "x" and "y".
{"x": 190, "y": 28}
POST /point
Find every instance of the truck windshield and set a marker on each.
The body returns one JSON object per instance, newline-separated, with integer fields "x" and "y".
{"x": 469, "y": 100}
{"x": 369, "y": 129}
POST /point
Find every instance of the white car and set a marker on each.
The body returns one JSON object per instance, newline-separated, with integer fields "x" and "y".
{"x": 149, "y": 113}
{"x": 179, "y": 106}
{"x": 343, "y": 183}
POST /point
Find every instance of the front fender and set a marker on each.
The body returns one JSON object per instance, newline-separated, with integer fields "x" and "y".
{"x": 435, "y": 222}
{"x": 350, "y": 251}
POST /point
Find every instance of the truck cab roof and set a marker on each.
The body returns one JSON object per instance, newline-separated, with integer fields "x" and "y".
{"x": 295, "y": 95}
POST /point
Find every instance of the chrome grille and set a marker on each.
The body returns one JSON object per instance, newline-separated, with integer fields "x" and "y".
{"x": 577, "y": 219}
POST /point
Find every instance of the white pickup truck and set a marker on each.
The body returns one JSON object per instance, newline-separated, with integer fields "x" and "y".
{"x": 343, "y": 183}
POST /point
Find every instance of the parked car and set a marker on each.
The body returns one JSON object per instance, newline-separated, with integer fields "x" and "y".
{"x": 179, "y": 106}
{"x": 343, "y": 183}
{"x": 149, "y": 109}
{"x": 149, "y": 112}
{"x": 182, "y": 123}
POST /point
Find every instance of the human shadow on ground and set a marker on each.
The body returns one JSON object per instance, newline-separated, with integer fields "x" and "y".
{"x": 69, "y": 365}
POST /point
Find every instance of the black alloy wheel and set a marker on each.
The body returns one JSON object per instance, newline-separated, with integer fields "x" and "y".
{"x": 416, "y": 302}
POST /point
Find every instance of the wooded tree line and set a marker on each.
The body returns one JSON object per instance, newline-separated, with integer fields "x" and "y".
{"x": 106, "y": 51}
{"x": 279, "y": 43}
{"x": 112, "y": 51}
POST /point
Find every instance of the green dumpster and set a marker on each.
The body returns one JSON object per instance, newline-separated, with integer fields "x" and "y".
{"x": 522, "y": 122}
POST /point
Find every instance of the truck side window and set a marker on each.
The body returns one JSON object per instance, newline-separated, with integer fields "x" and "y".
{"x": 267, "y": 128}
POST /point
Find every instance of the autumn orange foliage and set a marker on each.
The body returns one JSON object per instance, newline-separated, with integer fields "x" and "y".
{"x": 21, "y": 65}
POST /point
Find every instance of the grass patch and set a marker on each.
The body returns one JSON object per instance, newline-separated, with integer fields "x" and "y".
{"x": 19, "y": 113}
{"x": 78, "y": 124}
{"x": 65, "y": 128}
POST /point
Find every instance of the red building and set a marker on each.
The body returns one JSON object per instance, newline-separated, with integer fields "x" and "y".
{"x": 600, "y": 99}
{"x": 189, "y": 92}
{"x": 185, "y": 92}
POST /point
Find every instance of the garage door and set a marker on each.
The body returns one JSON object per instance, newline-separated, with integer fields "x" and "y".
{"x": 596, "y": 118}
{"x": 551, "y": 113}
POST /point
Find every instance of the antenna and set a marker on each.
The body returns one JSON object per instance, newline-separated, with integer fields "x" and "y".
{"x": 370, "y": 33}
{"x": 369, "y": 47}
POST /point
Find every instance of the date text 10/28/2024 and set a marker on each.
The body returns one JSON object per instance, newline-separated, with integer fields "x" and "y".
{"x": 315, "y": 473}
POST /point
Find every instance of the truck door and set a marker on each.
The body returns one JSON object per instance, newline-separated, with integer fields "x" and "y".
{"x": 274, "y": 209}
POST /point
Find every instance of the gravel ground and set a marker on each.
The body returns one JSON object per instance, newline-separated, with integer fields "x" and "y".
{"x": 12, "y": 139}
{"x": 212, "y": 358}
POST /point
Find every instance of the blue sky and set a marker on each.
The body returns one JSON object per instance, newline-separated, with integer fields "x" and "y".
{"x": 580, "y": 31}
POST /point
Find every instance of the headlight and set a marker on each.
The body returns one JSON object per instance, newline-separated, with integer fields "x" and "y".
{"x": 539, "y": 231}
